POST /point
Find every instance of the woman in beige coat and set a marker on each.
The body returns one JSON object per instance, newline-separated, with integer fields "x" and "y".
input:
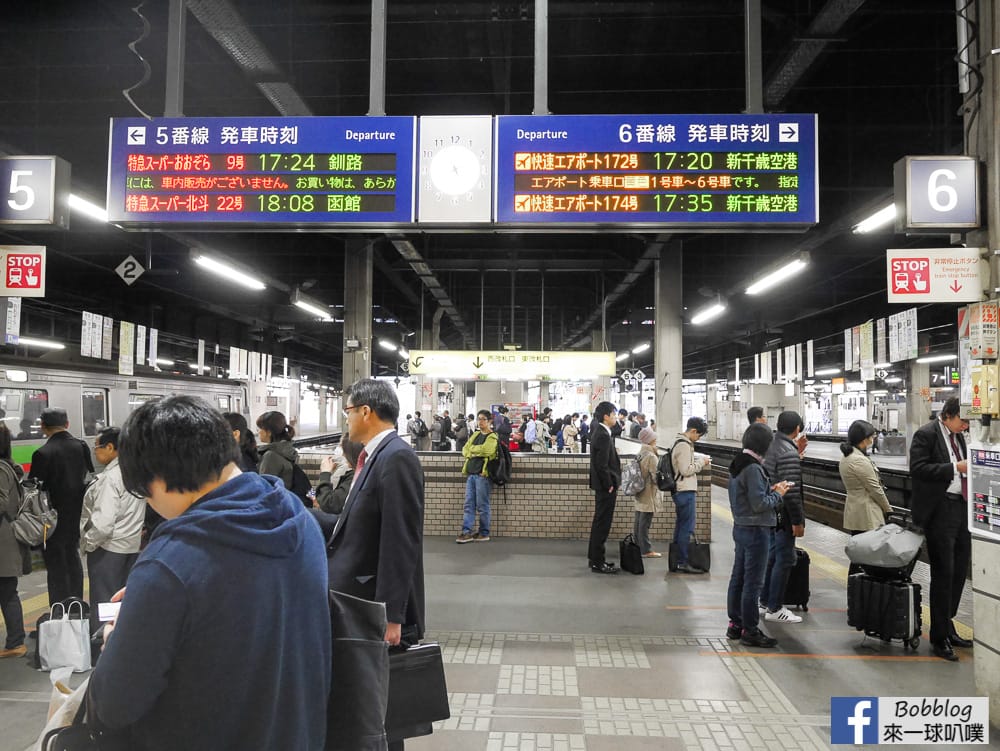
{"x": 866, "y": 503}
{"x": 649, "y": 501}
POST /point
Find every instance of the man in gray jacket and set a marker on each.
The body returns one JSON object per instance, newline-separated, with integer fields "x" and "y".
{"x": 783, "y": 464}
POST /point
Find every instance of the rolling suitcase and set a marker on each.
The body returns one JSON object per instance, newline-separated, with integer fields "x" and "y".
{"x": 884, "y": 609}
{"x": 797, "y": 591}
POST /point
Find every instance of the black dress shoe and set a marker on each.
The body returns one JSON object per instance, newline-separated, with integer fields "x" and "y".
{"x": 943, "y": 650}
{"x": 958, "y": 641}
{"x": 603, "y": 568}
{"x": 687, "y": 568}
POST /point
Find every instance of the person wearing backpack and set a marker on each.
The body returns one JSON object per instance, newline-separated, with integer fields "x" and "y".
{"x": 686, "y": 468}
{"x": 480, "y": 450}
{"x": 648, "y": 500}
{"x": 279, "y": 457}
{"x": 15, "y": 558}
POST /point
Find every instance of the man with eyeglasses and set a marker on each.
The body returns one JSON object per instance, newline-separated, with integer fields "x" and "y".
{"x": 376, "y": 549}
{"x": 479, "y": 451}
{"x": 110, "y": 526}
{"x": 939, "y": 503}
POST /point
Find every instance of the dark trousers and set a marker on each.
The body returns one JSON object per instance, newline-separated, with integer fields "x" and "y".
{"x": 64, "y": 569}
{"x": 13, "y": 615}
{"x": 584, "y": 440}
{"x": 949, "y": 547}
{"x": 107, "y": 573}
{"x": 747, "y": 577}
{"x": 604, "y": 513}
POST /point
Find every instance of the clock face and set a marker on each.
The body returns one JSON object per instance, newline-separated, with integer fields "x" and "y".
{"x": 456, "y": 175}
{"x": 455, "y": 170}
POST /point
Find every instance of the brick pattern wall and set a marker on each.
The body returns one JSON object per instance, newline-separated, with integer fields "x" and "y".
{"x": 548, "y": 497}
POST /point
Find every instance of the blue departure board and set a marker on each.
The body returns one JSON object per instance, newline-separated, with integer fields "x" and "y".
{"x": 663, "y": 170}
{"x": 266, "y": 171}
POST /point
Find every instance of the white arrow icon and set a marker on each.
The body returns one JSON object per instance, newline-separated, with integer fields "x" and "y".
{"x": 136, "y": 135}
{"x": 788, "y": 132}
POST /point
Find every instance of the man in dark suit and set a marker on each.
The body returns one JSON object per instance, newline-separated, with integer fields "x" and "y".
{"x": 605, "y": 476}
{"x": 376, "y": 549}
{"x": 938, "y": 468}
{"x": 62, "y": 465}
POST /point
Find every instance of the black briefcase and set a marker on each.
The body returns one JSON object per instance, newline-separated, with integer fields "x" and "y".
{"x": 418, "y": 694}
{"x": 630, "y": 556}
{"x": 699, "y": 555}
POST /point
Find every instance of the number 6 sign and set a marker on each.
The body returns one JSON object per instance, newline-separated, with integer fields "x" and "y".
{"x": 936, "y": 193}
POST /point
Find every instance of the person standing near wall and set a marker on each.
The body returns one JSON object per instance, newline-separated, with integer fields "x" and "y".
{"x": 605, "y": 477}
{"x": 686, "y": 468}
{"x": 479, "y": 451}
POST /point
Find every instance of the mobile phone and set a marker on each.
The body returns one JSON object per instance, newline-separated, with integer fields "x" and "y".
{"x": 108, "y": 611}
{"x": 790, "y": 483}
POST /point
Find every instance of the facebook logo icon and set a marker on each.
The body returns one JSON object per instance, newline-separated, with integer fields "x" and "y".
{"x": 854, "y": 720}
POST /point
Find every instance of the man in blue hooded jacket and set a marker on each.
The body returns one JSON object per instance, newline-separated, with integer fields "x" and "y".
{"x": 223, "y": 638}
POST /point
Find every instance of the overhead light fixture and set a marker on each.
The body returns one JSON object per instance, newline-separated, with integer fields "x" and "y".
{"x": 228, "y": 272}
{"x": 780, "y": 274}
{"x": 387, "y": 345}
{"x": 165, "y": 363}
{"x": 892, "y": 379}
{"x": 85, "y": 207}
{"x": 622, "y": 357}
{"x": 705, "y": 315}
{"x": 309, "y": 305}
{"x": 404, "y": 353}
{"x": 27, "y": 341}
{"x": 882, "y": 365}
{"x": 194, "y": 366}
{"x": 936, "y": 358}
{"x": 879, "y": 219}
{"x": 17, "y": 376}
{"x": 641, "y": 348}
{"x": 827, "y": 372}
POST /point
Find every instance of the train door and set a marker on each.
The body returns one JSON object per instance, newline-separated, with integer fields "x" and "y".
{"x": 94, "y": 407}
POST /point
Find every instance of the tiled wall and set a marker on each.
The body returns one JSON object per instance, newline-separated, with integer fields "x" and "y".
{"x": 549, "y": 496}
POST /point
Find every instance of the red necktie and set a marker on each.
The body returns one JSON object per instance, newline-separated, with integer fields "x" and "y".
{"x": 959, "y": 457}
{"x": 361, "y": 462}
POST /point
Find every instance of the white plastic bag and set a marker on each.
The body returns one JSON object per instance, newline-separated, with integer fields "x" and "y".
{"x": 65, "y": 641}
{"x": 63, "y": 703}
{"x": 889, "y": 546}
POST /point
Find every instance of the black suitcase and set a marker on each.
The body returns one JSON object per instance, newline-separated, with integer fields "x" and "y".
{"x": 797, "y": 591}
{"x": 884, "y": 609}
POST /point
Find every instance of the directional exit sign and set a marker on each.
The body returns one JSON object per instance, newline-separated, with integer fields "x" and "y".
{"x": 487, "y": 365}
{"x": 952, "y": 275}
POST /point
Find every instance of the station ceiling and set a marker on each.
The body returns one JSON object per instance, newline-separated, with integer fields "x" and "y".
{"x": 880, "y": 74}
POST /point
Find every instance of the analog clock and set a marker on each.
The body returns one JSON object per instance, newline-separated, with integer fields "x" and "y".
{"x": 456, "y": 169}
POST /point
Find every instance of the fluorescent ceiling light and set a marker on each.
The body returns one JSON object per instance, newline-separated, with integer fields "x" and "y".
{"x": 879, "y": 392}
{"x": 167, "y": 363}
{"x": 936, "y": 358}
{"x": 879, "y": 219}
{"x": 641, "y": 348}
{"x": 27, "y": 341}
{"x": 404, "y": 353}
{"x": 883, "y": 365}
{"x": 194, "y": 366}
{"x": 707, "y": 314}
{"x": 893, "y": 379}
{"x": 85, "y": 207}
{"x": 780, "y": 275}
{"x": 622, "y": 357}
{"x": 827, "y": 372}
{"x": 387, "y": 345}
{"x": 228, "y": 272}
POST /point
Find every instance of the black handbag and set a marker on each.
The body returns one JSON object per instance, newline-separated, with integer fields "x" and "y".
{"x": 699, "y": 555}
{"x": 418, "y": 693}
{"x": 630, "y": 556}
{"x": 78, "y": 736}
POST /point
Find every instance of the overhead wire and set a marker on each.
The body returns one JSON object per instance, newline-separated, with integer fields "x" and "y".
{"x": 147, "y": 70}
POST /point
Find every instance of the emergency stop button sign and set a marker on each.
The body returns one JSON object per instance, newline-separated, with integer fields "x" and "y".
{"x": 24, "y": 270}
{"x": 935, "y": 275}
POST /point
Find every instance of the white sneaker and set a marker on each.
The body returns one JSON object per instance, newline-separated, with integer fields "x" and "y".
{"x": 782, "y": 616}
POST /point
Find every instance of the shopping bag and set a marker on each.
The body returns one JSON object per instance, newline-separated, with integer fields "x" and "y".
{"x": 64, "y": 704}
{"x": 630, "y": 556}
{"x": 889, "y": 546}
{"x": 65, "y": 641}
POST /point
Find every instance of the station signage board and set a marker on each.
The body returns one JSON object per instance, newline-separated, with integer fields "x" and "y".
{"x": 935, "y": 275}
{"x": 662, "y": 170}
{"x": 495, "y": 365}
{"x": 23, "y": 271}
{"x": 936, "y": 193}
{"x": 984, "y": 479}
{"x": 261, "y": 171}
{"x": 34, "y": 192}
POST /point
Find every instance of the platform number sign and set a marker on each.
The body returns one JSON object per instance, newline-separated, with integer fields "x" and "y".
{"x": 937, "y": 193}
{"x": 23, "y": 270}
{"x": 34, "y": 192}
{"x": 130, "y": 270}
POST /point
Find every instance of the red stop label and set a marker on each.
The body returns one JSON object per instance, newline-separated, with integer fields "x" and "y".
{"x": 24, "y": 271}
{"x": 911, "y": 276}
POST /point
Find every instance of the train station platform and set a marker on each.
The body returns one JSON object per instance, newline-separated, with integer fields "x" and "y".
{"x": 541, "y": 654}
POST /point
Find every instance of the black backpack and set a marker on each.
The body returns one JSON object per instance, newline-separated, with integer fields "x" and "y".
{"x": 500, "y": 469}
{"x": 301, "y": 485}
{"x": 421, "y": 429}
{"x": 666, "y": 478}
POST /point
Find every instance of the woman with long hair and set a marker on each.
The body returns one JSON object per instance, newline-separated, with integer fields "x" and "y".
{"x": 15, "y": 558}
{"x": 249, "y": 458}
{"x": 278, "y": 456}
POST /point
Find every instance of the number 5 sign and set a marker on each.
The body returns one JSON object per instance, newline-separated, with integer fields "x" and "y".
{"x": 34, "y": 192}
{"x": 936, "y": 193}
{"x": 23, "y": 270}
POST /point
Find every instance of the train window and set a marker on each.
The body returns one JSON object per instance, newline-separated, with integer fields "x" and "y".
{"x": 22, "y": 411}
{"x": 224, "y": 402}
{"x": 136, "y": 400}
{"x": 95, "y": 410}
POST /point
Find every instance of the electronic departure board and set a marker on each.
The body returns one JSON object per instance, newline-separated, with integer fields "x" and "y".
{"x": 281, "y": 171}
{"x": 681, "y": 170}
